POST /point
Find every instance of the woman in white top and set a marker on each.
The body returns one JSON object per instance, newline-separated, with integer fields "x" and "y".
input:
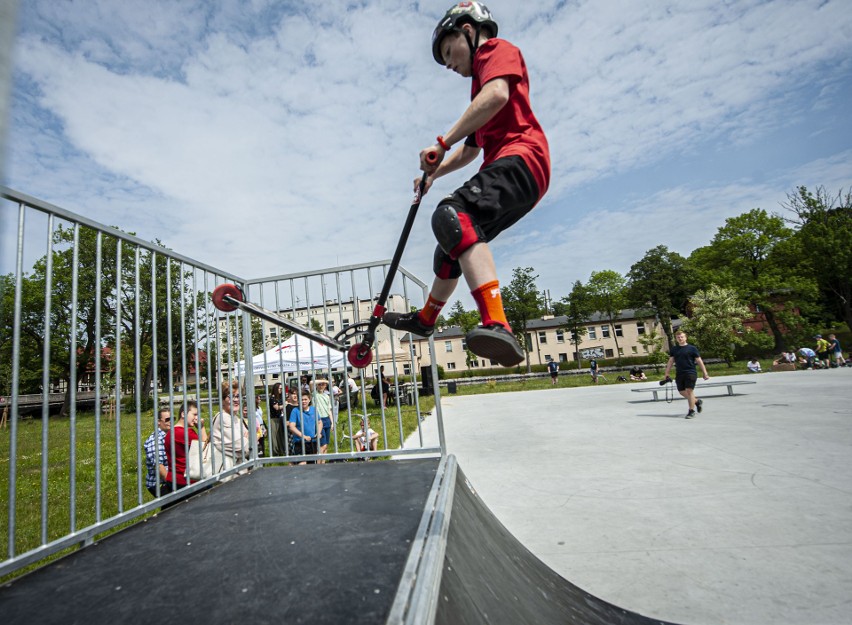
{"x": 229, "y": 433}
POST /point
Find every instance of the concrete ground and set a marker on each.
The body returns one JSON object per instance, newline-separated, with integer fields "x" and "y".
{"x": 740, "y": 516}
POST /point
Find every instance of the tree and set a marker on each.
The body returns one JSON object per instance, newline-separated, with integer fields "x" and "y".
{"x": 467, "y": 320}
{"x": 716, "y": 324}
{"x": 578, "y": 309}
{"x": 608, "y": 293}
{"x": 522, "y": 302}
{"x": 825, "y": 233}
{"x": 659, "y": 282}
{"x": 653, "y": 344}
{"x": 747, "y": 254}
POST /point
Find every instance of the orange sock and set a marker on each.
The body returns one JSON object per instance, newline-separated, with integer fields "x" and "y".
{"x": 429, "y": 314}
{"x": 490, "y": 304}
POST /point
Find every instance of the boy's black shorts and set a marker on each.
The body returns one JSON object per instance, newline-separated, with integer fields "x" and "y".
{"x": 495, "y": 198}
{"x": 685, "y": 380}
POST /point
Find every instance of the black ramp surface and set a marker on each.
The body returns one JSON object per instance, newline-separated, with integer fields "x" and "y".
{"x": 311, "y": 544}
{"x": 490, "y": 577}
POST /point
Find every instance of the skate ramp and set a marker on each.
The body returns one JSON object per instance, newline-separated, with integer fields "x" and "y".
{"x": 402, "y": 542}
{"x": 490, "y": 577}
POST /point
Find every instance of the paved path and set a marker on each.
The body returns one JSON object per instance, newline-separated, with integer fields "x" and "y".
{"x": 740, "y": 516}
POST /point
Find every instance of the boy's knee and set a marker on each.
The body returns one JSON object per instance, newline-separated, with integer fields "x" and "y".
{"x": 454, "y": 230}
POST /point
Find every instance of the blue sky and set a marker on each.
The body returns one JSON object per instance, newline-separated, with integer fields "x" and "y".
{"x": 270, "y": 137}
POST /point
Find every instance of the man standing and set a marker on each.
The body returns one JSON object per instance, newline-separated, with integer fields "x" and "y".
{"x": 684, "y": 356}
{"x": 515, "y": 174}
{"x": 155, "y": 455}
{"x": 553, "y": 368}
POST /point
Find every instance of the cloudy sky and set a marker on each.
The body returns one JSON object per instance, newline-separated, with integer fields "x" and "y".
{"x": 268, "y": 137}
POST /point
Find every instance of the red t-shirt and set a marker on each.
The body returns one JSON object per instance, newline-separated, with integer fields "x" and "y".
{"x": 514, "y": 130}
{"x": 177, "y": 465}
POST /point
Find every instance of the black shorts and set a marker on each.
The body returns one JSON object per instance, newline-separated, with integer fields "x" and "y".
{"x": 496, "y": 198}
{"x": 686, "y": 380}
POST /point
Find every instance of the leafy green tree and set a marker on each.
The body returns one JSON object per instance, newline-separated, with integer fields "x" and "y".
{"x": 578, "y": 309}
{"x": 467, "y": 320}
{"x": 716, "y": 324}
{"x": 659, "y": 282}
{"x": 608, "y": 292}
{"x": 825, "y": 234}
{"x": 653, "y": 344}
{"x": 748, "y": 254}
{"x": 522, "y": 302}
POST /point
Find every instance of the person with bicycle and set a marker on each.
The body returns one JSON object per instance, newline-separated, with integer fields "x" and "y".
{"x": 514, "y": 176}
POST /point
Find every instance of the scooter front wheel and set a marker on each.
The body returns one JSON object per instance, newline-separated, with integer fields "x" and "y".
{"x": 360, "y": 355}
{"x": 221, "y": 291}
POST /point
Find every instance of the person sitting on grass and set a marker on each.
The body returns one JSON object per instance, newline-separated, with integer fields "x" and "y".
{"x": 637, "y": 375}
{"x": 365, "y": 442}
{"x": 753, "y": 365}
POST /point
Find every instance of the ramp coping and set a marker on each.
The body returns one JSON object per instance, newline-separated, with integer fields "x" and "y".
{"x": 416, "y": 598}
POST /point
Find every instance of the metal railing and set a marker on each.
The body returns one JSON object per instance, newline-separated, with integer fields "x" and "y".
{"x": 120, "y": 327}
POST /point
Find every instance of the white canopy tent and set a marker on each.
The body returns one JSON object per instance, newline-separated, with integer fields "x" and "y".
{"x": 295, "y": 354}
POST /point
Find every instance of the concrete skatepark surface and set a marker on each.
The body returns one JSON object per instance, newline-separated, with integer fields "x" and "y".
{"x": 740, "y": 516}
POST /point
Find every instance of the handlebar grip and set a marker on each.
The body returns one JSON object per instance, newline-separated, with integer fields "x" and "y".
{"x": 431, "y": 157}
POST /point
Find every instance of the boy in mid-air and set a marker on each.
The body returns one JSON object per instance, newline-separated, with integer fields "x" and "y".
{"x": 514, "y": 176}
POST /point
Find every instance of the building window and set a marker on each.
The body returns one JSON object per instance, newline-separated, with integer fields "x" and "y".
{"x": 542, "y": 338}
{"x": 593, "y": 333}
{"x": 464, "y": 345}
{"x": 346, "y": 323}
{"x": 330, "y": 326}
{"x": 560, "y": 336}
{"x": 406, "y": 369}
{"x": 640, "y": 327}
{"x": 609, "y": 353}
{"x": 451, "y": 365}
{"x": 448, "y": 346}
{"x": 563, "y": 357}
{"x": 605, "y": 332}
{"x": 645, "y": 348}
{"x": 635, "y": 351}
{"x": 474, "y": 363}
{"x": 618, "y": 331}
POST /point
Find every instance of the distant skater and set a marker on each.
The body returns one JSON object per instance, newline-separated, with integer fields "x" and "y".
{"x": 685, "y": 356}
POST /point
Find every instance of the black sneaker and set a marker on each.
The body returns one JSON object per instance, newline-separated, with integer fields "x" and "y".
{"x": 698, "y": 404}
{"x": 407, "y": 322}
{"x": 495, "y": 343}
{"x": 690, "y": 415}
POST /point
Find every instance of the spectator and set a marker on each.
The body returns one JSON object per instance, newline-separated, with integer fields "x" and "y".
{"x": 155, "y": 455}
{"x": 822, "y": 351}
{"x": 322, "y": 404}
{"x": 229, "y": 432}
{"x": 637, "y": 375}
{"x": 178, "y": 441}
{"x": 303, "y": 426}
{"x": 593, "y": 370}
{"x": 292, "y": 402}
{"x": 753, "y": 365}
{"x": 553, "y": 368}
{"x": 277, "y": 431}
{"x": 807, "y": 357}
{"x": 835, "y": 349}
{"x": 260, "y": 425}
{"x": 365, "y": 441}
{"x": 685, "y": 356}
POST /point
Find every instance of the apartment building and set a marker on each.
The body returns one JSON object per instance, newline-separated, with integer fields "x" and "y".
{"x": 548, "y": 340}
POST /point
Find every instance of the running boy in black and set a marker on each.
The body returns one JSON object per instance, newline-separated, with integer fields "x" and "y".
{"x": 684, "y": 356}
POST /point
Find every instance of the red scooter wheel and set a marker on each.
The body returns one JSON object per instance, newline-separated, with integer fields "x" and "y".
{"x": 360, "y": 356}
{"x": 221, "y": 291}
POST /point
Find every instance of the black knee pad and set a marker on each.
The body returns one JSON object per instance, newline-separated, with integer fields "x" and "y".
{"x": 445, "y": 267}
{"x": 454, "y": 230}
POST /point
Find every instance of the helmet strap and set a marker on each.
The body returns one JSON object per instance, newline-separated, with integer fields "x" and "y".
{"x": 473, "y": 45}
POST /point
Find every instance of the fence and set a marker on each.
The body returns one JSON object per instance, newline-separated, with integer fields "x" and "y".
{"x": 118, "y": 327}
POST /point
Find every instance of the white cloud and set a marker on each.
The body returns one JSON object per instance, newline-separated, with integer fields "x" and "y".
{"x": 213, "y": 125}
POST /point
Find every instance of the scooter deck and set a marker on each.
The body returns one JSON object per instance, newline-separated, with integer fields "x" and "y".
{"x": 283, "y": 322}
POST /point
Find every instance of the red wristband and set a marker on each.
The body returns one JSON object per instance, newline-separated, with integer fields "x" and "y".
{"x": 443, "y": 143}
